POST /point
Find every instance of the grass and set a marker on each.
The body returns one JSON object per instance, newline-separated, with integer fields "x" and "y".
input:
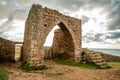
{"x": 114, "y": 64}
{"x": 70, "y": 63}
{"x": 17, "y": 55}
{"x": 3, "y": 74}
{"x": 17, "y": 52}
{"x": 26, "y": 66}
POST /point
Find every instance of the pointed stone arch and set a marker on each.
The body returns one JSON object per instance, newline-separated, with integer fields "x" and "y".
{"x": 39, "y": 23}
{"x": 63, "y": 43}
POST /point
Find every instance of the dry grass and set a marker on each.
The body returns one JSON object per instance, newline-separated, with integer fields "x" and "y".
{"x": 114, "y": 64}
{"x": 17, "y": 52}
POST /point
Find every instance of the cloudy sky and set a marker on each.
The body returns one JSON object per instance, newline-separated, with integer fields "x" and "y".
{"x": 100, "y": 19}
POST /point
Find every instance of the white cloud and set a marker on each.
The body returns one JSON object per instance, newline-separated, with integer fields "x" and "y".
{"x": 3, "y": 2}
{"x": 49, "y": 39}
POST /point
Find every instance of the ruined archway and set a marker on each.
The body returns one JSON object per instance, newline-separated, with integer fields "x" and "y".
{"x": 39, "y": 23}
{"x": 63, "y": 44}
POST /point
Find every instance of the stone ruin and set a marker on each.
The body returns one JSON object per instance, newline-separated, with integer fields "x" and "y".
{"x": 39, "y": 23}
{"x": 66, "y": 41}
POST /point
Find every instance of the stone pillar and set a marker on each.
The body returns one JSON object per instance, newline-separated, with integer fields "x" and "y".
{"x": 31, "y": 48}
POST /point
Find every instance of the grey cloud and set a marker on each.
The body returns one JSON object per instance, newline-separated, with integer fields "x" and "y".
{"x": 18, "y": 9}
{"x": 114, "y": 17}
{"x": 97, "y": 37}
{"x": 23, "y": 6}
{"x": 109, "y": 7}
{"x": 88, "y": 37}
{"x": 18, "y": 37}
{"x": 71, "y": 5}
{"x": 84, "y": 19}
{"x": 91, "y": 37}
{"x": 113, "y": 35}
{"x": 4, "y": 35}
{"x": 1, "y": 33}
{"x": 74, "y": 5}
{"x": 118, "y": 42}
{"x": 6, "y": 26}
{"x": 13, "y": 10}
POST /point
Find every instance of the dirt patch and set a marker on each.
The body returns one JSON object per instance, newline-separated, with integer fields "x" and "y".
{"x": 60, "y": 72}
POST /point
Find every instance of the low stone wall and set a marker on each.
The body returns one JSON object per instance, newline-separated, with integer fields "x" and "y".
{"x": 110, "y": 58}
{"x": 7, "y": 50}
{"x": 48, "y": 53}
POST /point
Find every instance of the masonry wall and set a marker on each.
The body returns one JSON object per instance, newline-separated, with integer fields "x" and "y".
{"x": 7, "y": 50}
{"x": 62, "y": 45}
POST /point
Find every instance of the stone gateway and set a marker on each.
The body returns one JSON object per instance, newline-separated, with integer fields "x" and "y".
{"x": 39, "y": 23}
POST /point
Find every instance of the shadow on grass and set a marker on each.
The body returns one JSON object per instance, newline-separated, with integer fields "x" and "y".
{"x": 26, "y": 66}
{"x": 70, "y": 63}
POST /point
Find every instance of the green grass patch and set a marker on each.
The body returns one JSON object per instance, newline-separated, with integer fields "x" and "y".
{"x": 17, "y": 55}
{"x": 70, "y": 63}
{"x": 3, "y": 74}
{"x": 114, "y": 64}
{"x": 26, "y": 66}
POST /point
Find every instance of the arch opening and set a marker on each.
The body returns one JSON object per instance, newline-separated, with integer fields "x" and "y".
{"x": 59, "y": 43}
{"x": 18, "y": 52}
{"x": 50, "y": 36}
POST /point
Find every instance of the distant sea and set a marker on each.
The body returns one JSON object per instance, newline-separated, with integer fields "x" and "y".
{"x": 115, "y": 52}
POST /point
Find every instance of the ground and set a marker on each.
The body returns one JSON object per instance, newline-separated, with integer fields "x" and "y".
{"x": 61, "y": 72}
